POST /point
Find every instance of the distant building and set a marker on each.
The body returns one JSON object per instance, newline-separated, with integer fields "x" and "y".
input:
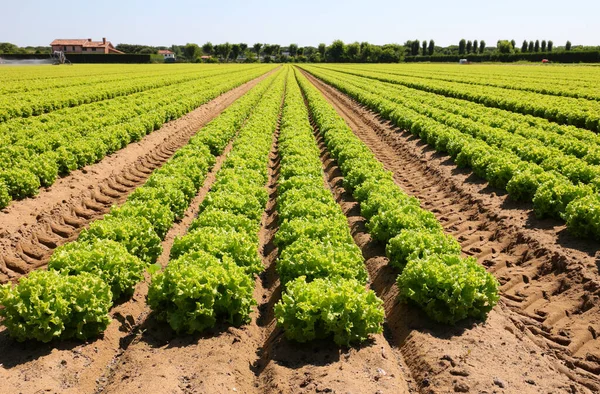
{"x": 84, "y": 46}
{"x": 167, "y": 54}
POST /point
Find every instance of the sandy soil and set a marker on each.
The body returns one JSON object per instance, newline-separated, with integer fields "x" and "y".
{"x": 549, "y": 281}
{"x": 31, "y": 229}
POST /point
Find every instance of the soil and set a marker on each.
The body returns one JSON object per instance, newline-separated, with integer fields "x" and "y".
{"x": 547, "y": 322}
{"x": 31, "y": 229}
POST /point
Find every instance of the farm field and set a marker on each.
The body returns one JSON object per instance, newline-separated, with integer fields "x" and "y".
{"x": 300, "y": 228}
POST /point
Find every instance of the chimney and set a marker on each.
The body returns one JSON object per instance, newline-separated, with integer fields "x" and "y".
{"x": 103, "y": 40}
{"x": 89, "y": 40}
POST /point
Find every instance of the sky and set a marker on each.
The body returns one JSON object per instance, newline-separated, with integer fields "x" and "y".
{"x": 308, "y": 22}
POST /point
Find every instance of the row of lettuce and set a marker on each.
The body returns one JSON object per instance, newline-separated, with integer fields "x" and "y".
{"x": 35, "y": 151}
{"x": 527, "y": 166}
{"x": 28, "y": 102}
{"x": 210, "y": 276}
{"x": 84, "y": 278}
{"x": 46, "y": 78}
{"x": 433, "y": 275}
{"x": 578, "y": 112}
{"x": 319, "y": 265}
{"x": 577, "y": 82}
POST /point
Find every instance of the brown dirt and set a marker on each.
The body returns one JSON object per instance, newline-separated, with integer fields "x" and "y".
{"x": 545, "y": 328}
{"x": 31, "y": 229}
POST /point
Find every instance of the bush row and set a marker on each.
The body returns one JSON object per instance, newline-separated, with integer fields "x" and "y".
{"x": 320, "y": 266}
{"x": 35, "y": 152}
{"x": 210, "y": 276}
{"x": 85, "y": 277}
{"x": 432, "y": 273}
{"x": 559, "y": 181}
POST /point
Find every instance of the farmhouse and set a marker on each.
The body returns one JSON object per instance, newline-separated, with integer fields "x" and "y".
{"x": 85, "y": 45}
{"x": 167, "y": 54}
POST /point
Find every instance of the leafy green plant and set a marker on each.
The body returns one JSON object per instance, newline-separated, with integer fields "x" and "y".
{"x": 313, "y": 258}
{"x": 107, "y": 259}
{"x": 135, "y": 234}
{"x": 160, "y": 216}
{"x": 46, "y": 305}
{"x": 219, "y": 242}
{"x": 416, "y": 244}
{"x": 583, "y": 216}
{"x": 197, "y": 289}
{"x": 449, "y": 288}
{"x": 341, "y": 308}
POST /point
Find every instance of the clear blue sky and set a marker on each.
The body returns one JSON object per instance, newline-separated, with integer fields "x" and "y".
{"x": 309, "y": 22}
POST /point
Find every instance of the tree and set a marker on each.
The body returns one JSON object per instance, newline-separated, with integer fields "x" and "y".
{"x": 513, "y": 44}
{"x": 536, "y": 46}
{"x": 207, "y": 48}
{"x": 568, "y": 46}
{"x": 191, "y": 51}
{"x": 431, "y": 47}
{"x": 462, "y": 46}
{"x": 276, "y": 49}
{"x": 300, "y": 51}
{"x": 243, "y": 47}
{"x": 293, "y": 49}
{"x": 469, "y": 46}
{"x": 336, "y": 52}
{"x": 268, "y": 50}
{"x": 322, "y": 49}
{"x": 353, "y": 52}
{"x": 504, "y": 46}
{"x": 414, "y": 48}
{"x": 225, "y": 50}
{"x": 481, "y": 46}
{"x": 543, "y": 45}
{"x": 365, "y": 51}
{"x": 550, "y": 45}
{"x": 530, "y": 48}
{"x": 424, "y": 48}
{"x": 475, "y": 46}
{"x": 524, "y": 46}
{"x": 256, "y": 48}
{"x": 235, "y": 51}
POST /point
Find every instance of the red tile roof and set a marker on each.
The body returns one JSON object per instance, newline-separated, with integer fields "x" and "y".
{"x": 165, "y": 52}
{"x": 87, "y": 43}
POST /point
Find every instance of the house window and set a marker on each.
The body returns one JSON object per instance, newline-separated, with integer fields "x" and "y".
{"x": 73, "y": 48}
{"x": 65, "y": 48}
{"x": 93, "y": 49}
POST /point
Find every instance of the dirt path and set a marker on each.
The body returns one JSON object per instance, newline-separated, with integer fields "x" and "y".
{"x": 31, "y": 229}
{"x": 545, "y": 328}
